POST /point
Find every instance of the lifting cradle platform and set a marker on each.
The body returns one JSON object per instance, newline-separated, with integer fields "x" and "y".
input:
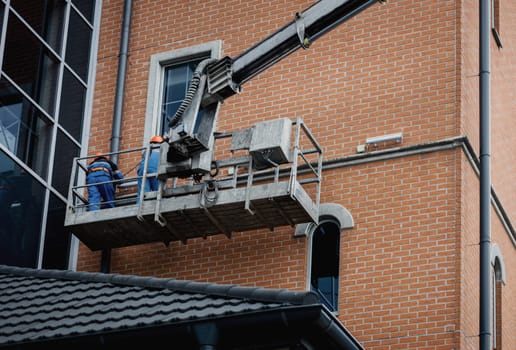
{"x": 241, "y": 199}
{"x": 271, "y": 193}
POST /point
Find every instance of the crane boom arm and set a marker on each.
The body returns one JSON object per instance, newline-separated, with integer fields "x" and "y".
{"x": 192, "y": 126}
{"x": 226, "y": 76}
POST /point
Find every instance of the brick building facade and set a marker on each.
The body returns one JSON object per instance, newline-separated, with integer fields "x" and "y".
{"x": 409, "y": 266}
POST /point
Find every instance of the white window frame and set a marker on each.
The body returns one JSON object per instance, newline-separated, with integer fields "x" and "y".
{"x": 158, "y": 63}
{"x": 327, "y": 212}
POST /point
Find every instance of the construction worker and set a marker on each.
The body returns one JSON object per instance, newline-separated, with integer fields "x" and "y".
{"x": 151, "y": 182}
{"x": 101, "y": 173}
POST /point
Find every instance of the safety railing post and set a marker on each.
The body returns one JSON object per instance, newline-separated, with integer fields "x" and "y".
{"x": 249, "y": 185}
{"x": 295, "y": 154}
{"x": 71, "y": 185}
{"x": 143, "y": 180}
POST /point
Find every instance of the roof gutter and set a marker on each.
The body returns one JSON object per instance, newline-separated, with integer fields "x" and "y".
{"x": 308, "y": 321}
{"x": 330, "y": 325}
{"x": 311, "y": 324}
{"x": 314, "y": 326}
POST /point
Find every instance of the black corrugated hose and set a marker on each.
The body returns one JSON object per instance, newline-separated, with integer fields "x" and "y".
{"x": 192, "y": 89}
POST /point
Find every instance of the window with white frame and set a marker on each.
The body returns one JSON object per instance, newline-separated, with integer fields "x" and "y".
{"x": 324, "y": 274}
{"x": 169, "y": 78}
{"x": 324, "y": 251}
{"x": 176, "y": 78}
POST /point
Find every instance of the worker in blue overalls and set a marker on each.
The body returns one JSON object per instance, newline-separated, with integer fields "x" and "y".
{"x": 151, "y": 182}
{"x": 101, "y": 188}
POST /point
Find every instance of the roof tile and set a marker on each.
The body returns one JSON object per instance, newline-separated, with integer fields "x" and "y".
{"x": 48, "y": 304}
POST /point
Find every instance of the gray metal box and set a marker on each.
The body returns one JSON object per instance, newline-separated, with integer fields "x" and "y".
{"x": 271, "y": 141}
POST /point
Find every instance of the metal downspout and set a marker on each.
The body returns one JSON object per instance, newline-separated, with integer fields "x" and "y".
{"x": 120, "y": 83}
{"x": 207, "y": 335}
{"x": 119, "y": 104}
{"x": 485, "y": 178}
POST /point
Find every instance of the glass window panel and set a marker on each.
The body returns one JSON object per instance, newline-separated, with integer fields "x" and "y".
{"x": 24, "y": 130}
{"x": 72, "y": 105}
{"x": 66, "y": 150}
{"x": 78, "y": 45}
{"x": 325, "y": 263}
{"x": 10, "y": 125}
{"x": 21, "y": 211}
{"x": 86, "y": 7}
{"x": 176, "y": 81}
{"x": 57, "y": 237}
{"x": 45, "y": 17}
{"x": 170, "y": 110}
{"x": 2, "y": 8}
{"x": 30, "y": 64}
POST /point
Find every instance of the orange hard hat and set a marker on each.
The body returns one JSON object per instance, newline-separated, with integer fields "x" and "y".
{"x": 156, "y": 139}
{"x": 100, "y": 155}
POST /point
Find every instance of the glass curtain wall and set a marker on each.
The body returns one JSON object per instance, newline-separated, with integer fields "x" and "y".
{"x": 45, "y": 48}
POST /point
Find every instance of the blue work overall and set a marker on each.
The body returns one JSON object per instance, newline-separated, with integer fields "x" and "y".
{"x": 101, "y": 187}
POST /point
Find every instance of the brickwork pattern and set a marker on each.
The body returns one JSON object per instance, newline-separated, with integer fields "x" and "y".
{"x": 409, "y": 268}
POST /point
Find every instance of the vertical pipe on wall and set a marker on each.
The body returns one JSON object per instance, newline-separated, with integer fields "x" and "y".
{"x": 120, "y": 83}
{"x": 207, "y": 335}
{"x": 485, "y": 178}
{"x": 118, "y": 105}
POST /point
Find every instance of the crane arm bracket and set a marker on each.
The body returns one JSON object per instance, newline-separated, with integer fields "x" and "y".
{"x": 220, "y": 84}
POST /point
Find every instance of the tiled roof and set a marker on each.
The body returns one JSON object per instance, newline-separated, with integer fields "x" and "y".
{"x": 49, "y": 305}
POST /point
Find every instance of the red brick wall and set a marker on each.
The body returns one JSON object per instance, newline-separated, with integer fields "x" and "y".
{"x": 378, "y": 73}
{"x": 268, "y": 259}
{"x": 399, "y": 263}
{"x": 409, "y": 267}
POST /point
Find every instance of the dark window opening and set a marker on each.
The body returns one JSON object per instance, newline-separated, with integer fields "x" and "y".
{"x": 45, "y": 17}
{"x": 21, "y": 212}
{"x": 78, "y": 48}
{"x": 30, "y": 64}
{"x": 176, "y": 82}
{"x": 86, "y": 7}
{"x": 73, "y": 99}
{"x": 24, "y": 130}
{"x": 66, "y": 150}
{"x": 324, "y": 277}
{"x": 57, "y": 237}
